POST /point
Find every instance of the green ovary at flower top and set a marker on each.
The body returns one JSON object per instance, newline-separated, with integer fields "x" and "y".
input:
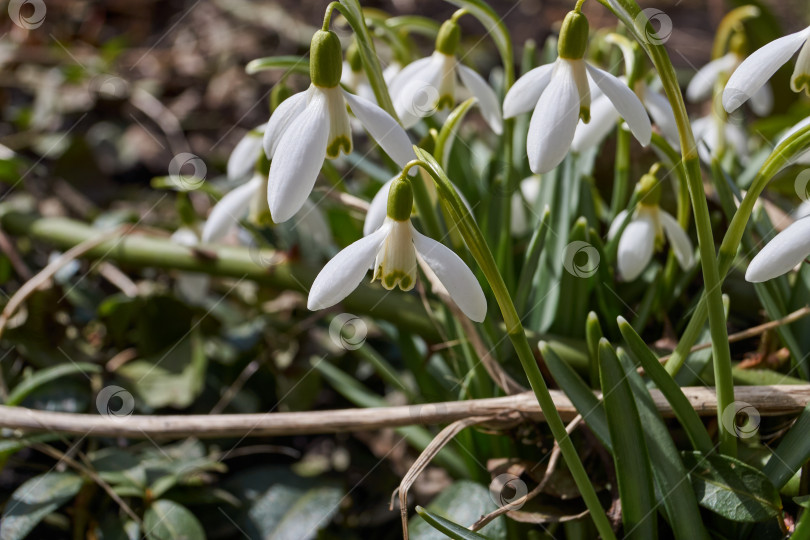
{"x": 314, "y": 124}
{"x": 429, "y": 84}
{"x": 755, "y": 71}
{"x": 392, "y": 251}
{"x": 646, "y": 230}
{"x": 560, "y": 94}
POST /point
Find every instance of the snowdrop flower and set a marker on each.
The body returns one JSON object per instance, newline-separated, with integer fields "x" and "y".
{"x": 249, "y": 199}
{"x": 604, "y": 117}
{"x": 755, "y": 70}
{"x": 646, "y": 230}
{"x": 243, "y": 158}
{"x": 392, "y": 252}
{"x": 788, "y": 249}
{"x": 708, "y": 137}
{"x": 429, "y": 84}
{"x": 314, "y": 124}
{"x": 702, "y": 84}
{"x": 560, "y": 94}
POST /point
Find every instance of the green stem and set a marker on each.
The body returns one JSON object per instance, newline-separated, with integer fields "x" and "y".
{"x": 779, "y": 158}
{"x": 483, "y": 256}
{"x": 621, "y": 172}
{"x": 717, "y": 322}
{"x": 327, "y": 16}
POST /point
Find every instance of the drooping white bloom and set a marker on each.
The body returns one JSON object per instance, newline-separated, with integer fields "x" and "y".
{"x": 560, "y": 94}
{"x": 702, "y": 84}
{"x": 788, "y": 249}
{"x": 429, "y": 84}
{"x": 243, "y": 158}
{"x": 707, "y": 135}
{"x": 647, "y": 227}
{"x": 236, "y": 204}
{"x": 313, "y": 125}
{"x": 755, "y": 70}
{"x": 392, "y": 251}
{"x": 604, "y": 117}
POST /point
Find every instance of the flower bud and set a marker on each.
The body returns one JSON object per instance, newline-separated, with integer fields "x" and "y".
{"x": 325, "y": 59}
{"x": 353, "y": 57}
{"x": 649, "y": 190}
{"x": 400, "y": 200}
{"x": 573, "y": 36}
{"x": 449, "y": 37}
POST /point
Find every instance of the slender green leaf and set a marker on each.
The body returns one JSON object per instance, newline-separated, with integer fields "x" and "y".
{"x": 353, "y": 13}
{"x": 630, "y": 455}
{"x": 44, "y": 376}
{"x": 34, "y": 500}
{"x": 529, "y": 269}
{"x": 463, "y": 502}
{"x": 792, "y": 452}
{"x": 444, "y": 141}
{"x": 292, "y": 64}
{"x": 583, "y": 398}
{"x": 676, "y": 496}
{"x": 732, "y": 488}
{"x": 684, "y": 411}
{"x": 453, "y": 530}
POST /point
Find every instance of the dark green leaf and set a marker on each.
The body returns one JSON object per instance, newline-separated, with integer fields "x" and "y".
{"x": 463, "y": 502}
{"x": 453, "y": 530}
{"x": 47, "y": 375}
{"x": 792, "y": 452}
{"x": 167, "y": 520}
{"x": 732, "y": 488}
{"x": 34, "y": 500}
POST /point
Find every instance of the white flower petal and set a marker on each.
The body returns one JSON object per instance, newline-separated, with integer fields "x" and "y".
{"x": 456, "y": 277}
{"x": 789, "y": 248}
{"x": 340, "y": 130}
{"x": 244, "y": 155}
{"x": 554, "y": 120}
{"x": 298, "y": 160}
{"x": 702, "y": 84}
{"x": 681, "y": 245}
{"x": 523, "y": 95}
{"x": 344, "y": 272}
{"x": 801, "y": 72}
{"x": 415, "y": 90}
{"x": 661, "y": 112}
{"x": 762, "y": 100}
{"x": 383, "y": 129}
{"x": 625, "y": 101}
{"x": 378, "y": 209}
{"x": 802, "y": 158}
{"x": 617, "y": 223}
{"x": 603, "y": 120}
{"x": 759, "y": 67}
{"x": 231, "y": 208}
{"x": 636, "y": 246}
{"x": 487, "y": 100}
{"x": 281, "y": 119}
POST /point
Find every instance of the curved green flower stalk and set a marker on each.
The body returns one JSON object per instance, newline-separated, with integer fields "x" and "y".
{"x": 634, "y": 18}
{"x": 477, "y": 245}
{"x": 781, "y": 156}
